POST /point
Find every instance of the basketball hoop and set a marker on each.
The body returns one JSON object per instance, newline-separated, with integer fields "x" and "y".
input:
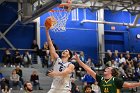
{"x": 61, "y": 14}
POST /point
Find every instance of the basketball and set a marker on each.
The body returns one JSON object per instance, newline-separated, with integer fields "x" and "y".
{"x": 48, "y": 22}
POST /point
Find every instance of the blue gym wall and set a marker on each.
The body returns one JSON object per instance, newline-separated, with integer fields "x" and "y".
{"x": 79, "y": 37}
{"x": 21, "y": 36}
{"x": 123, "y": 38}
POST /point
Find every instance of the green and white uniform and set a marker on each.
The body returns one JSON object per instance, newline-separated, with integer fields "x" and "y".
{"x": 113, "y": 85}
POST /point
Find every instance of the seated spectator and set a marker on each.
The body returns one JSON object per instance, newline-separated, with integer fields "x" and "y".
{"x": 82, "y": 57}
{"x": 138, "y": 71}
{"x": 35, "y": 79}
{"x": 129, "y": 60}
{"x": 45, "y": 55}
{"x": 130, "y": 72}
{"x": 136, "y": 61}
{"x": 122, "y": 59}
{"x": 19, "y": 72}
{"x": 88, "y": 79}
{"x": 108, "y": 59}
{"x": 116, "y": 59}
{"x": 122, "y": 72}
{"x": 90, "y": 63}
{"x": 74, "y": 88}
{"x": 96, "y": 88}
{"x": 6, "y": 90}
{"x": 7, "y": 58}
{"x": 35, "y": 48}
{"x": 15, "y": 80}
{"x": 17, "y": 58}
{"x": 88, "y": 89}
{"x": 113, "y": 64}
{"x": 26, "y": 59}
{"x": 4, "y": 82}
{"x": 28, "y": 87}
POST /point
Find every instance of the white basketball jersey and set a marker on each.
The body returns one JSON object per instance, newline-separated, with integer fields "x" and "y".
{"x": 60, "y": 82}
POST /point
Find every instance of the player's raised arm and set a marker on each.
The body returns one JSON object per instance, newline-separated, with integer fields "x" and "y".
{"x": 131, "y": 85}
{"x": 51, "y": 47}
{"x": 87, "y": 68}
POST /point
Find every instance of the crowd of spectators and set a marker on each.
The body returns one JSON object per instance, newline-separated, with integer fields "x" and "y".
{"x": 16, "y": 81}
{"x": 13, "y": 59}
{"x": 127, "y": 64}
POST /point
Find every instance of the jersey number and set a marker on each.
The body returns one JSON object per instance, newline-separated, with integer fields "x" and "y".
{"x": 61, "y": 68}
{"x": 106, "y": 90}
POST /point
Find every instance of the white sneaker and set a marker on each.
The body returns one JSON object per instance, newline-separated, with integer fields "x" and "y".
{"x": 21, "y": 88}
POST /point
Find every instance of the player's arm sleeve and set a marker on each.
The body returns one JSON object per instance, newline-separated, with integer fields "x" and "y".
{"x": 119, "y": 82}
{"x": 53, "y": 53}
{"x": 98, "y": 78}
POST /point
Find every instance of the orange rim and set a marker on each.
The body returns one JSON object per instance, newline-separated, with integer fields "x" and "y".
{"x": 57, "y": 10}
{"x": 52, "y": 10}
{"x": 64, "y": 5}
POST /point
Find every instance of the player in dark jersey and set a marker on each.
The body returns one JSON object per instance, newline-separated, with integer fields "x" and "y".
{"x": 108, "y": 83}
{"x": 111, "y": 85}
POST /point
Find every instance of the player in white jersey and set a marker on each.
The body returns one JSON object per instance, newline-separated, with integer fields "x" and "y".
{"x": 62, "y": 69}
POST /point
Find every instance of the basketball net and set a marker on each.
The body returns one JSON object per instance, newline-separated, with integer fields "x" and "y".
{"x": 61, "y": 14}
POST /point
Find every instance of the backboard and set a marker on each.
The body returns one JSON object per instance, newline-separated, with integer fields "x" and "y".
{"x": 31, "y": 9}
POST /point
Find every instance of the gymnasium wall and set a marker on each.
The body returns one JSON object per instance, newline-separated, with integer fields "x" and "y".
{"x": 79, "y": 37}
{"x": 122, "y": 38}
{"x": 21, "y": 36}
{"x": 83, "y": 37}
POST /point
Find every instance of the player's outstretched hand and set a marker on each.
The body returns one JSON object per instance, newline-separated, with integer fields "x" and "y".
{"x": 77, "y": 57}
{"x": 48, "y": 71}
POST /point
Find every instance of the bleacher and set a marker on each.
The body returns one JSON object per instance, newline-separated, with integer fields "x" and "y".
{"x": 45, "y": 81}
